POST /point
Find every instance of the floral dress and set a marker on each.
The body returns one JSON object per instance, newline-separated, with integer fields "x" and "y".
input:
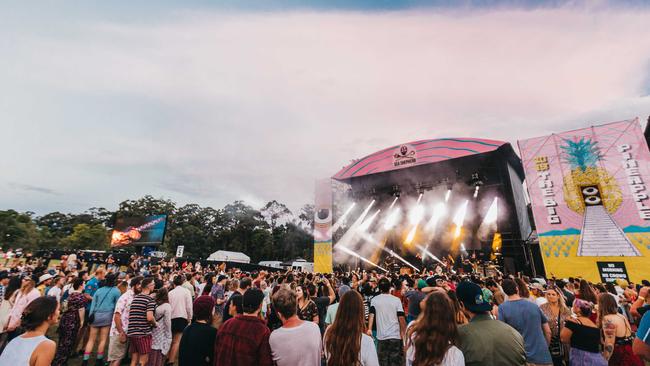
{"x": 309, "y": 312}
{"x": 68, "y": 327}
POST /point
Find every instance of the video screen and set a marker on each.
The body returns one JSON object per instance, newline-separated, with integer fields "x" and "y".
{"x": 148, "y": 230}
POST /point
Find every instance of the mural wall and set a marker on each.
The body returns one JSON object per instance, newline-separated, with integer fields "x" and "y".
{"x": 590, "y": 201}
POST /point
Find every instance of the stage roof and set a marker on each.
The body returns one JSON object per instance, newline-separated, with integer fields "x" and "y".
{"x": 417, "y": 153}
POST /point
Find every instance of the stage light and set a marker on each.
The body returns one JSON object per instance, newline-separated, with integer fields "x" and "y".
{"x": 348, "y": 251}
{"x": 459, "y": 218}
{"x": 366, "y": 224}
{"x": 365, "y": 213}
{"x": 416, "y": 214}
{"x": 476, "y": 191}
{"x": 411, "y": 235}
{"x": 393, "y": 203}
{"x": 344, "y": 217}
{"x": 439, "y": 211}
{"x": 419, "y": 198}
{"x": 392, "y": 218}
{"x": 426, "y": 252}
{"x": 447, "y": 195}
{"x": 492, "y": 214}
{"x": 392, "y": 253}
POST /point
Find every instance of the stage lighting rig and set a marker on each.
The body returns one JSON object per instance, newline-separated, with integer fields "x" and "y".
{"x": 395, "y": 191}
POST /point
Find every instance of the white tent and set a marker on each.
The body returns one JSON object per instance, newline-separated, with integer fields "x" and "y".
{"x": 227, "y": 256}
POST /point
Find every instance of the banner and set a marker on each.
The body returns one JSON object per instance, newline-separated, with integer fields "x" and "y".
{"x": 590, "y": 200}
{"x": 323, "y": 227}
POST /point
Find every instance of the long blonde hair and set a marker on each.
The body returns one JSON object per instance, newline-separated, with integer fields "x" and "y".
{"x": 561, "y": 300}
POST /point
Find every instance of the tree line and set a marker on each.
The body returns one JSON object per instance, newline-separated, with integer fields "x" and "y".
{"x": 271, "y": 232}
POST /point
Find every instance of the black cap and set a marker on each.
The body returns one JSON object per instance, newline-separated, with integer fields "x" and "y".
{"x": 252, "y": 300}
{"x": 4, "y": 274}
{"x": 221, "y": 278}
{"x": 471, "y": 295}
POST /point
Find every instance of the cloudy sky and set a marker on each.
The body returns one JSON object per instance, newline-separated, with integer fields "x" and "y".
{"x": 196, "y": 102}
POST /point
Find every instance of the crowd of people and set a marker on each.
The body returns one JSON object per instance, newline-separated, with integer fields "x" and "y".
{"x": 168, "y": 313}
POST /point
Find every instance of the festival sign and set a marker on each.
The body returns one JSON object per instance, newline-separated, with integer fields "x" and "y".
{"x": 590, "y": 200}
{"x": 323, "y": 227}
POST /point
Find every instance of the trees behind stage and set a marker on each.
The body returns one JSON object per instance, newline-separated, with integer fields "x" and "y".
{"x": 272, "y": 232}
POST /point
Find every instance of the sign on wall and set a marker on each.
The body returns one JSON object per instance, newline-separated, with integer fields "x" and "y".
{"x": 590, "y": 200}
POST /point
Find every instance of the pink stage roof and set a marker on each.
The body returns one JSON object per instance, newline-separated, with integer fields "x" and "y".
{"x": 426, "y": 152}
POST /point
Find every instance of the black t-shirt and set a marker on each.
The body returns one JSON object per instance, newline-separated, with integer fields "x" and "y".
{"x": 583, "y": 337}
{"x": 197, "y": 345}
{"x": 322, "y": 302}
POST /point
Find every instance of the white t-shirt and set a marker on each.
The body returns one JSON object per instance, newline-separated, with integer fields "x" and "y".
{"x": 386, "y": 308}
{"x": 299, "y": 346}
{"x": 56, "y": 292}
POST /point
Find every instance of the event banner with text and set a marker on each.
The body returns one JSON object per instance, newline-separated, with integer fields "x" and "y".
{"x": 590, "y": 198}
{"x": 323, "y": 227}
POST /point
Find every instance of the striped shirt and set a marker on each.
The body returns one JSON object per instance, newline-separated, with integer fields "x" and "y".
{"x": 138, "y": 324}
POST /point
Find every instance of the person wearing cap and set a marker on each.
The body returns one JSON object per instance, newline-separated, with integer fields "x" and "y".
{"x": 331, "y": 310}
{"x": 244, "y": 339}
{"x": 198, "y": 339}
{"x": 531, "y": 323}
{"x": 414, "y": 298}
{"x": 485, "y": 341}
{"x": 297, "y": 342}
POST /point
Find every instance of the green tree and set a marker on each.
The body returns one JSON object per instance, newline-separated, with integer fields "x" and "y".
{"x": 87, "y": 236}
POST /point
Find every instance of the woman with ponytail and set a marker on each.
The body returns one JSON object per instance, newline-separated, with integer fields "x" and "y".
{"x": 32, "y": 347}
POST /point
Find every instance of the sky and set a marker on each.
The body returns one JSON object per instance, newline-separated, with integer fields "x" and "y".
{"x": 211, "y": 102}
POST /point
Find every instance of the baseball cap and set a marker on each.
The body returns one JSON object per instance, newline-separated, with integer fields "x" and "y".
{"x": 422, "y": 284}
{"x": 44, "y": 278}
{"x": 471, "y": 295}
{"x": 252, "y": 299}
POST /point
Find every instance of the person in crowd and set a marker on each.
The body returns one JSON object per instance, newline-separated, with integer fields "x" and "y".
{"x": 641, "y": 345}
{"x": 414, "y": 298}
{"x": 431, "y": 338}
{"x": 117, "y": 344}
{"x": 234, "y": 304}
{"x": 44, "y": 282}
{"x": 57, "y": 289}
{"x": 189, "y": 284}
{"x": 618, "y": 336}
{"x": 387, "y": 311}
{"x": 23, "y": 297}
{"x": 198, "y": 339}
{"x": 141, "y": 321}
{"x": 10, "y": 288}
{"x": 498, "y": 297}
{"x": 33, "y": 348}
{"x": 583, "y": 336}
{"x": 218, "y": 293}
{"x": 332, "y": 309}
{"x": 322, "y": 302}
{"x": 180, "y": 300}
{"x": 346, "y": 341}
{"x": 101, "y": 316}
{"x": 556, "y": 311}
{"x": 162, "y": 333}
{"x": 568, "y": 295}
{"x": 529, "y": 321}
{"x": 586, "y": 292}
{"x": 72, "y": 316}
{"x": 485, "y": 341}
{"x": 307, "y": 309}
{"x": 459, "y": 314}
{"x": 297, "y": 342}
{"x": 244, "y": 339}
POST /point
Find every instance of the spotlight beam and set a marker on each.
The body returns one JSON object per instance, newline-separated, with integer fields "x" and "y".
{"x": 392, "y": 253}
{"x": 348, "y": 251}
{"x": 366, "y": 224}
{"x": 343, "y": 218}
{"x": 425, "y": 251}
{"x": 392, "y": 218}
